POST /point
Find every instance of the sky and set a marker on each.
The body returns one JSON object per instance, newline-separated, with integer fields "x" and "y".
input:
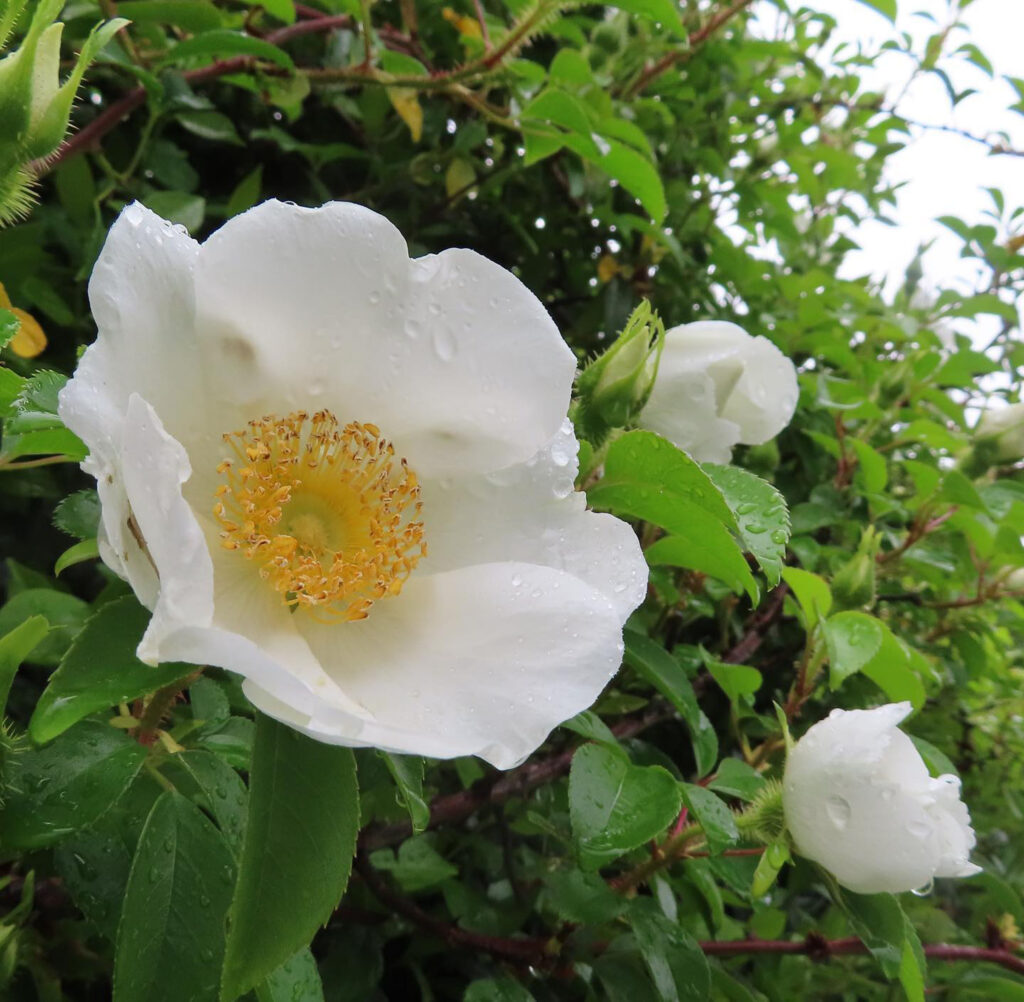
{"x": 945, "y": 174}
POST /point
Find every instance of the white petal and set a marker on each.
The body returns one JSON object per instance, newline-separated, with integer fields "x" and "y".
{"x": 455, "y": 360}
{"x": 953, "y": 828}
{"x": 141, "y": 295}
{"x": 762, "y": 401}
{"x": 530, "y": 513}
{"x": 253, "y": 633}
{"x": 484, "y": 661}
{"x": 718, "y": 386}
{"x": 153, "y": 468}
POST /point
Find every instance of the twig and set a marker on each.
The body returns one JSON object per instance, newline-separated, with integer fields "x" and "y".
{"x": 823, "y": 949}
{"x": 757, "y": 625}
{"x": 532, "y": 951}
{"x": 695, "y": 40}
{"x": 456, "y": 807}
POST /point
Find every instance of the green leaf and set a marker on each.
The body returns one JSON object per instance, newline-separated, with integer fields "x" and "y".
{"x": 221, "y": 42}
{"x": 615, "y": 806}
{"x": 416, "y": 866}
{"x": 94, "y": 864}
{"x": 881, "y": 925}
{"x": 714, "y": 817}
{"x": 887, "y": 8}
{"x": 170, "y": 940}
{"x": 812, "y": 594}
{"x": 192, "y": 15}
{"x": 736, "y": 681}
{"x": 9, "y": 326}
{"x": 913, "y": 966}
{"x": 79, "y": 514}
{"x": 67, "y": 785}
{"x": 649, "y": 478}
{"x": 708, "y": 548}
{"x": 503, "y": 989}
{"x": 894, "y": 669}
{"x": 178, "y": 207}
{"x": 853, "y": 639}
{"x": 100, "y": 670}
{"x": 634, "y": 172}
{"x": 653, "y": 663}
{"x": 761, "y": 514}
{"x": 737, "y": 779}
{"x": 86, "y": 549}
{"x": 297, "y": 856}
{"x": 296, "y": 980}
{"x": 407, "y": 772}
{"x": 676, "y": 962}
{"x": 663, "y": 11}
{"x": 247, "y": 192}
{"x": 215, "y": 787}
{"x": 644, "y": 471}
{"x": 15, "y": 646}
{"x": 65, "y": 613}
{"x": 872, "y": 471}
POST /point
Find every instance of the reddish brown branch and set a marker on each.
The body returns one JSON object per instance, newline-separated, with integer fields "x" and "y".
{"x": 88, "y": 137}
{"x": 533, "y": 951}
{"x": 758, "y": 624}
{"x": 822, "y": 949}
{"x": 695, "y": 40}
{"x": 456, "y": 807}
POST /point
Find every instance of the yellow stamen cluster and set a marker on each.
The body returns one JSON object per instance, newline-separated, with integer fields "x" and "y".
{"x": 327, "y": 512}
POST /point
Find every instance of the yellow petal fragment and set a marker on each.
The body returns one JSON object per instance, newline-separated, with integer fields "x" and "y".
{"x": 407, "y": 103}
{"x": 30, "y": 339}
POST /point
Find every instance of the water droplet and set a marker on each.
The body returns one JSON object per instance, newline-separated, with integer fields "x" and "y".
{"x": 838, "y": 810}
{"x": 779, "y": 537}
{"x": 413, "y": 329}
{"x": 746, "y": 508}
{"x": 444, "y": 344}
{"x": 517, "y": 580}
{"x": 925, "y": 890}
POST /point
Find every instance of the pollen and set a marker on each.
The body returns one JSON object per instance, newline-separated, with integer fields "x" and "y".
{"x": 327, "y": 513}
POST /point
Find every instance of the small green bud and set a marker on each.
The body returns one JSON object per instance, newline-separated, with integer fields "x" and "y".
{"x": 34, "y": 106}
{"x": 854, "y": 586}
{"x": 614, "y": 387}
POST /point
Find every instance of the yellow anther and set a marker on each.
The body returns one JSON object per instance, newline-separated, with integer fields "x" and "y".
{"x": 325, "y": 511}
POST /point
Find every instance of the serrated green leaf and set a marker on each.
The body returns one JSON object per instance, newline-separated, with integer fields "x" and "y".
{"x": 100, "y": 670}
{"x": 653, "y": 663}
{"x": 170, "y": 939}
{"x": 715, "y": 819}
{"x": 761, "y": 514}
{"x": 67, "y": 785}
{"x": 615, "y": 806}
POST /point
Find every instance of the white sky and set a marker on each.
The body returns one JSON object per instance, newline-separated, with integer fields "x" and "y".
{"x": 945, "y": 173}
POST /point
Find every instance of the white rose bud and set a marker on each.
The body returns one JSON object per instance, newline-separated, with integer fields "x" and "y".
{"x": 859, "y": 800}
{"x": 1005, "y": 427}
{"x": 718, "y": 386}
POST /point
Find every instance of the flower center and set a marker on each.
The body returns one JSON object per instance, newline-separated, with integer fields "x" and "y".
{"x": 327, "y": 513}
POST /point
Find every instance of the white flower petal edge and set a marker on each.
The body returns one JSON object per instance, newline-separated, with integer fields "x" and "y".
{"x": 859, "y": 800}
{"x": 477, "y": 661}
{"x": 513, "y": 621}
{"x": 280, "y": 288}
{"x": 718, "y": 386}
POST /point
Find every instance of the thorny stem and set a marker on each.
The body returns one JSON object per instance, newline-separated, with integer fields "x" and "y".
{"x": 159, "y": 706}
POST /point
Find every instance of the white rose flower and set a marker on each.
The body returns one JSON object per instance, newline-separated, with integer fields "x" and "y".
{"x": 859, "y": 800}
{"x": 716, "y": 387}
{"x": 348, "y": 476}
{"x": 1004, "y": 425}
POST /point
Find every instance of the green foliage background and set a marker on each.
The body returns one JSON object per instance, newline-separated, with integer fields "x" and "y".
{"x": 605, "y": 154}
